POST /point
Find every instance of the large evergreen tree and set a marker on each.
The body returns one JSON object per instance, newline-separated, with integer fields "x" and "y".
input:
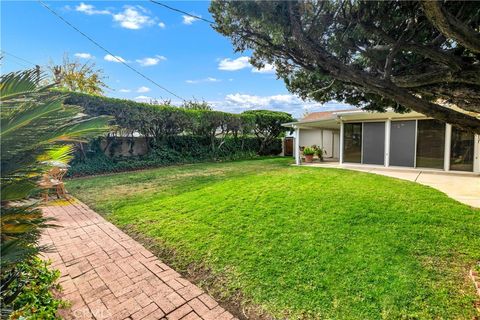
{"x": 408, "y": 55}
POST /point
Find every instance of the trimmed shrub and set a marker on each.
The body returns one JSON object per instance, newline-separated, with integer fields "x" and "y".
{"x": 177, "y": 135}
{"x": 171, "y": 150}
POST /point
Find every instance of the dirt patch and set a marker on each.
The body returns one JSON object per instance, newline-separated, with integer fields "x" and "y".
{"x": 475, "y": 276}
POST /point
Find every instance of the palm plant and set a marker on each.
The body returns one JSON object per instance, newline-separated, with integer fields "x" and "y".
{"x": 35, "y": 128}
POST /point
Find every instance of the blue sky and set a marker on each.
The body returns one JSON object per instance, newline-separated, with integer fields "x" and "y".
{"x": 185, "y": 55}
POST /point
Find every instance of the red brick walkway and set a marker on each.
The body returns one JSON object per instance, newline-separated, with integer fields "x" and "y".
{"x": 108, "y": 275}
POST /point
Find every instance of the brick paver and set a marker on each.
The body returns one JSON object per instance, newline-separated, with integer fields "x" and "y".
{"x": 108, "y": 275}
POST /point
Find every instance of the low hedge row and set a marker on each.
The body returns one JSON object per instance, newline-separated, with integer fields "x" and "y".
{"x": 169, "y": 151}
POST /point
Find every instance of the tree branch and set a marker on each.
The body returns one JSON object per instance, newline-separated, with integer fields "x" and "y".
{"x": 374, "y": 85}
{"x": 450, "y": 26}
{"x": 437, "y": 55}
{"x": 438, "y": 75}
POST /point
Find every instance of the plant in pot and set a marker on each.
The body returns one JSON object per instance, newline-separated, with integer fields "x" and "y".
{"x": 308, "y": 153}
{"x": 319, "y": 151}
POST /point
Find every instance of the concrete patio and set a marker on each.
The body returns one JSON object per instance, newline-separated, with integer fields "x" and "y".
{"x": 461, "y": 186}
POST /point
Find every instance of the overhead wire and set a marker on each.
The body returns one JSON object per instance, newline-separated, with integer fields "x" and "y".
{"x": 109, "y": 52}
{"x": 17, "y": 57}
{"x": 183, "y": 12}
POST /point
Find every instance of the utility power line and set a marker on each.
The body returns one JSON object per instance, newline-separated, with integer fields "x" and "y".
{"x": 181, "y": 11}
{"x": 109, "y": 52}
{"x": 19, "y": 58}
{"x": 20, "y": 64}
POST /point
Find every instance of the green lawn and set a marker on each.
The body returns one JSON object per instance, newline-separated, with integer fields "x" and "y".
{"x": 304, "y": 242}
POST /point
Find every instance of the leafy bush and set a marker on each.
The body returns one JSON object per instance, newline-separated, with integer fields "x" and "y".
{"x": 160, "y": 121}
{"x": 171, "y": 150}
{"x": 38, "y": 288}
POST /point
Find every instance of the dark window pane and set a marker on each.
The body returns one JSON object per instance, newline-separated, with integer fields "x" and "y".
{"x": 402, "y": 143}
{"x": 430, "y": 144}
{"x": 461, "y": 154}
{"x": 352, "y": 142}
{"x": 374, "y": 142}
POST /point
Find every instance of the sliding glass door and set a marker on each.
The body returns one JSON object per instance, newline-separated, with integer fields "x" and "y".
{"x": 430, "y": 144}
{"x": 352, "y": 142}
{"x": 373, "y": 143}
{"x": 461, "y": 154}
{"x": 402, "y": 143}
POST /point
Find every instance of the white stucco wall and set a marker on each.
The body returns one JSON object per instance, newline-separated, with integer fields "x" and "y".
{"x": 310, "y": 137}
{"x": 330, "y": 141}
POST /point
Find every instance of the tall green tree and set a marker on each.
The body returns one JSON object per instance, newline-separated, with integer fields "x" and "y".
{"x": 407, "y": 55}
{"x": 36, "y": 128}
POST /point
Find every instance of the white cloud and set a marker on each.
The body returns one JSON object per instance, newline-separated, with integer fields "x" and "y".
{"x": 235, "y": 64}
{"x": 133, "y": 18}
{"x": 90, "y": 9}
{"x": 268, "y": 68}
{"x": 143, "y": 98}
{"x": 124, "y": 90}
{"x": 150, "y": 61}
{"x": 228, "y": 64}
{"x": 238, "y": 102}
{"x": 111, "y": 58}
{"x": 208, "y": 79}
{"x": 189, "y": 19}
{"x": 143, "y": 89}
{"x": 162, "y": 25}
{"x": 83, "y": 55}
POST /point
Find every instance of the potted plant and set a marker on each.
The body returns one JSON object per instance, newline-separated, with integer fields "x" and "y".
{"x": 308, "y": 153}
{"x": 319, "y": 152}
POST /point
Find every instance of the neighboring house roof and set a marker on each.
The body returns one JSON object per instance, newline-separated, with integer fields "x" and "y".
{"x": 332, "y": 118}
{"x": 313, "y": 116}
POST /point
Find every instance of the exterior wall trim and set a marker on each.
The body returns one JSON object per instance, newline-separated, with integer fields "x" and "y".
{"x": 341, "y": 142}
{"x": 297, "y": 146}
{"x": 386, "y": 161}
{"x": 448, "y": 147}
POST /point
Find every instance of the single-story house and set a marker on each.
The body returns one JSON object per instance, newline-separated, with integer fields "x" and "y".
{"x": 387, "y": 139}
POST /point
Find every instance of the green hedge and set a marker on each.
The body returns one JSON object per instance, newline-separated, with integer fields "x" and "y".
{"x": 171, "y": 150}
{"x": 179, "y": 135}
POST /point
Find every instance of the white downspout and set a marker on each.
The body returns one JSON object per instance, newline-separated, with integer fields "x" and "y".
{"x": 448, "y": 141}
{"x": 297, "y": 146}
{"x": 341, "y": 142}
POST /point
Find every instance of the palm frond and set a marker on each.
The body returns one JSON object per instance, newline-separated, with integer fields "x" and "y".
{"x": 28, "y": 112}
{"x": 35, "y": 128}
{"x": 20, "y": 83}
